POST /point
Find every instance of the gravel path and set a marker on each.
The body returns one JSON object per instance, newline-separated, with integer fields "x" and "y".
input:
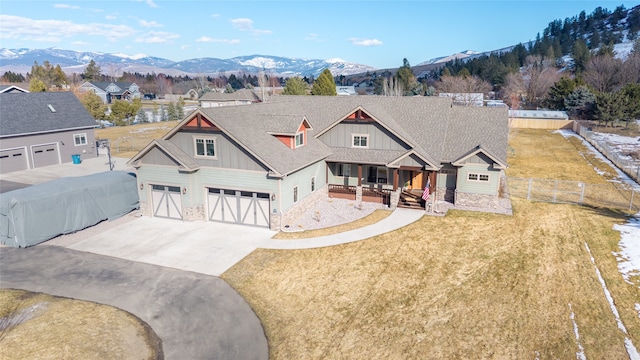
{"x": 331, "y": 212}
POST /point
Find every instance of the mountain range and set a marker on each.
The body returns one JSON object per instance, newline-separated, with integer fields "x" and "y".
{"x": 21, "y": 60}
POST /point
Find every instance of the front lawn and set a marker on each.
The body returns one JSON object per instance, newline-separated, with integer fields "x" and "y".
{"x": 469, "y": 285}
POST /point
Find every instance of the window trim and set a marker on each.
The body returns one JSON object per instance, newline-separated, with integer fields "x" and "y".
{"x": 361, "y": 136}
{"x": 204, "y": 139}
{"x": 378, "y": 171}
{"x": 341, "y": 170}
{"x": 82, "y": 136}
{"x": 478, "y": 177}
{"x": 295, "y": 139}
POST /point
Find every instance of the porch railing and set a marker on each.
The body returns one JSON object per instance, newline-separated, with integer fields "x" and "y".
{"x": 342, "y": 191}
{"x": 382, "y": 196}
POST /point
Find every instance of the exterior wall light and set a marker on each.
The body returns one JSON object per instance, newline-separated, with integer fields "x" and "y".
{"x": 273, "y": 197}
{"x": 141, "y": 186}
{"x": 184, "y": 191}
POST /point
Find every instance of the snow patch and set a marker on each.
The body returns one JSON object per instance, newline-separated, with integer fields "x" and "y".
{"x": 631, "y": 350}
{"x": 131, "y": 57}
{"x": 629, "y": 254}
{"x": 580, "y": 354}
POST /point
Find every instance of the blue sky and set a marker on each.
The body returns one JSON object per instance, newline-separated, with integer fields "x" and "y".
{"x": 375, "y": 33}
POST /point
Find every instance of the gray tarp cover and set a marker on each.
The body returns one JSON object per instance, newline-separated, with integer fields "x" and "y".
{"x": 38, "y": 213}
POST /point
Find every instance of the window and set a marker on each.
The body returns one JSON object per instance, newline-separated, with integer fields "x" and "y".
{"x": 299, "y": 139}
{"x": 344, "y": 170}
{"x": 377, "y": 175}
{"x": 478, "y": 177}
{"x": 313, "y": 184}
{"x": 205, "y": 147}
{"x": 80, "y": 139}
{"x": 360, "y": 140}
{"x": 295, "y": 194}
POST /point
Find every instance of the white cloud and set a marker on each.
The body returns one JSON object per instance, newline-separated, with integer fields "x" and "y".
{"x": 365, "y": 42}
{"x": 148, "y": 2}
{"x": 111, "y": 17}
{"x": 21, "y": 28}
{"x": 206, "y": 39}
{"x": 312, "y": 37}
{"x": 157, "y": 37}
{"x": 65, "y": 6}
{"x": 149, "y": 24}
{"x": 79, "y": 43}
{"x": 215, "y": 15}
{"x": 246, "y": 24}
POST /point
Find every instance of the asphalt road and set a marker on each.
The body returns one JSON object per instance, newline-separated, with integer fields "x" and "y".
{"x": 196, "y": 316}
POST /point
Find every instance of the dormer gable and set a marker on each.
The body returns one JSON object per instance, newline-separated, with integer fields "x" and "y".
{"x": 359, "y": 115}
{"x": 295, "y": 139}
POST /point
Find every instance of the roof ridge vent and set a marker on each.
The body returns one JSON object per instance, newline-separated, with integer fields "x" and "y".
{"x": 51, "y": 108}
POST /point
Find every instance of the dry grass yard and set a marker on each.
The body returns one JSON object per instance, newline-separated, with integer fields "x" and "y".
{"x": 124, "y": 138}
{"x": 467, "y": 285}
{"x": 63, "y": 328}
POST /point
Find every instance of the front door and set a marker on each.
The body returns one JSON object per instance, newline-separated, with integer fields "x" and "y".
{"x": 415, "y": 180}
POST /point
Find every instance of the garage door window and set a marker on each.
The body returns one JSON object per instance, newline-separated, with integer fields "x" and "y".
{"x": 80, "y": 139}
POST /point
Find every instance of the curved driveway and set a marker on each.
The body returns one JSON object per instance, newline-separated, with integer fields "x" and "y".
{"x": 196, "y": 316}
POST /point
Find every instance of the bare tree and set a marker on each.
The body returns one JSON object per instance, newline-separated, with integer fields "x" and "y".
{"x": 463, "y": 88}
{"x": 262, "y": 83}
{"x": 602, "y": 73}
{"x": 539, "y": 77}
{"x": 513, "y": 90}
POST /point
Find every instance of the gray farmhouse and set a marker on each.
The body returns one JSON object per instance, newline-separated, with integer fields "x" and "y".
{"x": 262, "y": 164}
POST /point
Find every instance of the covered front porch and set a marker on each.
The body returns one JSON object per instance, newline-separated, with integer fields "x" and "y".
{"x": 392, "y": 186}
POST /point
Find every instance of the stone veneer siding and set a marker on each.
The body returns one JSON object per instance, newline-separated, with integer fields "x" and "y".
{"x": 299, "y": 208}
{"x": 476, "y": 200}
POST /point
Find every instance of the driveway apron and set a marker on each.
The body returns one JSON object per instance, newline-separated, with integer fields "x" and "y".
{"x": 196, "y": 316}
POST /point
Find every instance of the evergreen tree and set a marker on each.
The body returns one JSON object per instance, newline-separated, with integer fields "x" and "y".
{"x": 92, "y": 72}
{"x": 122, "y": 112}
{"x": 580, "y": 54}
{"x": 405, "y": 78}
{"x": 142, "y": 116}
{"x": 295, "y": 86}
{"x": 180, "y": 108}
{"x": 609, "y": 107}
{"x": 560, "y": 91}
{"x": 37, "y": 85}
{"x": 581, "y": 103}
{"x": 324, "y": 85}
{"x": 172, "y": 114}
{"x": 94, "y": 105}
{"x": 229, "y": 89}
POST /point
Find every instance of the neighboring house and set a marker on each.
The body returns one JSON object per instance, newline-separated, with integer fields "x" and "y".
{"x": 44, "y": 128}
{"x": 346, "y": 90}
{"x": 12, "y": 89}
{"x": 191, "y": 94}
{"x": 110, "y": 91}
{"x": 263, "y": 164}
{"x": 217, "y": 99}
{"x": 465, "y": 99}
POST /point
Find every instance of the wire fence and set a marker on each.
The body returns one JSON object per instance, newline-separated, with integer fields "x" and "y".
{"x": 627, "y": 165}
{"x": 611, "y": 195}
{"x": 128, "y": 144}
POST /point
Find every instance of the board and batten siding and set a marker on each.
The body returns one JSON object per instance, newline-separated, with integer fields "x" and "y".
{"x": 447, "y": 177}
{"x": 228, "y": 153}
{"x": 302, "y": 179}
{"x": 156, "y": 156}
{"x": 478, "y": 187}
{"x": 379, "y": 137}
{"x": 412, "y": 161}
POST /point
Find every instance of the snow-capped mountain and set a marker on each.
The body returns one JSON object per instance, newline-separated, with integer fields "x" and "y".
{"x": 443, "y": 59}
{"x": 21, "y": 60}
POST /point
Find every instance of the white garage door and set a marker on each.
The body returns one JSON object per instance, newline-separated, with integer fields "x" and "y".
{"x": 166, "y": 201}
{"x": 239, "y": 207}
{"x": 44, "y": 155}
{"x": 13, "y": 160}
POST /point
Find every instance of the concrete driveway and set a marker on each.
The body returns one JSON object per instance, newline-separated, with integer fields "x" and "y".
{"x": 196, "y": 316}
{"x": 199, "y": 246}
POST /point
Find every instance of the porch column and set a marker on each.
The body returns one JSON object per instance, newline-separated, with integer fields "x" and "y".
{"x": 395, "y": 179}
{"x": 326, "y": 173}
{"x": 359, "y": 175}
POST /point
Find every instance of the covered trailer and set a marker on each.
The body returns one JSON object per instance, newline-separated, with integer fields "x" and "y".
{"x": 41, "y": 212}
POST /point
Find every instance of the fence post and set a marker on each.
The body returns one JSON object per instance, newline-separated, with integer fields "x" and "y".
{"x": 633, "y": 191}
{"x": 529, "y": 190}
{"x": 582, "y": 186}
{"x": 555, "y": 190}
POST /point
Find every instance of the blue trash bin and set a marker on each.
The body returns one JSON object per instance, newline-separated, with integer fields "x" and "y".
{"x": 75, "y": 158}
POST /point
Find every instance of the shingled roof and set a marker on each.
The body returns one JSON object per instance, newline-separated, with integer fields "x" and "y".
{"x": 41, "y": 112}
{"x": 431, "y": 128}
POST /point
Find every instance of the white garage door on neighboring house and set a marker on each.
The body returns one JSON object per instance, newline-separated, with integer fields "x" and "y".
{"x": 239, "y": 207}
{"x": 13, "y": 160}
{"x": 44, "y": 155}
{"x": 166, "y": 201}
